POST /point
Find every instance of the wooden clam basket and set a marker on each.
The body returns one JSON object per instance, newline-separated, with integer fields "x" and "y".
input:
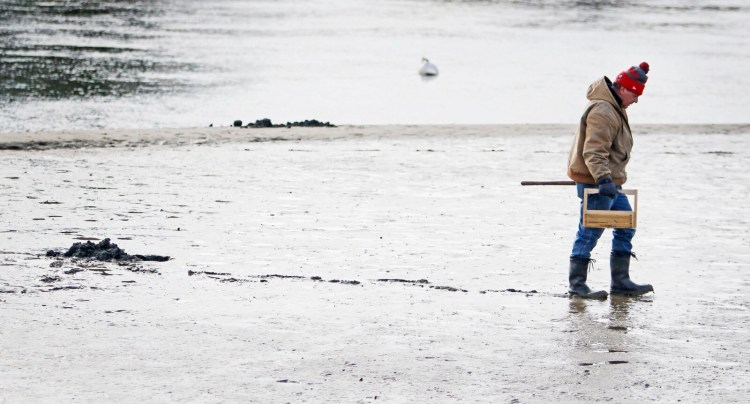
{"x": 610, "y": 218}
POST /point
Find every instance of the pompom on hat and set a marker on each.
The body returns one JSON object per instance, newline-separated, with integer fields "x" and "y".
{"x": 634, "y": 79}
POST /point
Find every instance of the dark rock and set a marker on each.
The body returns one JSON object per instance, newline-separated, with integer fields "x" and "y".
{"x": 266, "y": 123}
{"x": 105, "y": 250}
{"x": 261, "y": 123}
{"x": 238, "y": 123}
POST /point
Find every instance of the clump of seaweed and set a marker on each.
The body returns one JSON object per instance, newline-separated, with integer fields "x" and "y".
{"x": 105, "y": 250}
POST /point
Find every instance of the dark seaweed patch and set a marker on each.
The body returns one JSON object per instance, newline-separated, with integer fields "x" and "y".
{"x": 105, "y": 250}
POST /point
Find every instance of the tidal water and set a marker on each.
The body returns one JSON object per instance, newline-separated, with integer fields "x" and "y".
{"x": 170, "y": 63}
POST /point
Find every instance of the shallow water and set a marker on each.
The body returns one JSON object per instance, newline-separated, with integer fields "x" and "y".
{"x": 124, "y": 64}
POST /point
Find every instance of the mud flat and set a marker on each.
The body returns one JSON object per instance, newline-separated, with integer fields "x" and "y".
{"x": 365, "y": 264}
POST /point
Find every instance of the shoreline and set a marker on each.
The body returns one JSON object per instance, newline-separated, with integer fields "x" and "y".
{"x": 103, "y": 138}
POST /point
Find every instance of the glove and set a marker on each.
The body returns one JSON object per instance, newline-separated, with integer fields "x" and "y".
{"x": 607, "y": 188}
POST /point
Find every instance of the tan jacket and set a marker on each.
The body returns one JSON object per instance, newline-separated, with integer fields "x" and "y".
{"x": 603, "y": 140}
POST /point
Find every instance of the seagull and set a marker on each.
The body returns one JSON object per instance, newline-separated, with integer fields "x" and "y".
{"x": 428, "y": 69}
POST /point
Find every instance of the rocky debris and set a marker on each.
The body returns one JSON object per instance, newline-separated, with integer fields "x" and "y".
{"x": 227, "y": 277}
{"x": 191, "y": 273}
{"x": 56, "y": 288}
{"x": 344, "y": 282}
{"x": 266, "y": 123}
{"x": 510, "y": 290}
{"x": 88, "y": 257}
{"x": 449, "y": 288}
{"x": 419, "y": 281}
{"x": 280, "y": 276}
{"x": 422, "y": 283}
{"x": 105, "y": 250}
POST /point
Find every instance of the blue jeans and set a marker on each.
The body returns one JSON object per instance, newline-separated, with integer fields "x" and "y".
{"x": 587, "y": 237}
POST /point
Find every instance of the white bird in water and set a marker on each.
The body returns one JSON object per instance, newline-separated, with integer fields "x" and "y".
{"x": 428, "y": 69}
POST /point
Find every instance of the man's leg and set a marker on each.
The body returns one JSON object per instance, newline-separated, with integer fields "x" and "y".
{"x": 585, "y": 241}
{"x": 587, "y": 237}
{"x": 619, "y": 261}
{"x": 622, "y": 238}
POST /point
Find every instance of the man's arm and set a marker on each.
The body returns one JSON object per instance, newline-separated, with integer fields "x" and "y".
{"x": 601, "y": 129}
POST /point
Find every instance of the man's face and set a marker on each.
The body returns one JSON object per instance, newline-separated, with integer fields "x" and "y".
{"x": 628, "y": 98}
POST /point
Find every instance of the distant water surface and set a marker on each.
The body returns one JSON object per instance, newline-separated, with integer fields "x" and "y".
{"x": 141, "y": 63}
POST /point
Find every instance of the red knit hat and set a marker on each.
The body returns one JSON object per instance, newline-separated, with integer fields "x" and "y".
{"x": 634, "y": 79}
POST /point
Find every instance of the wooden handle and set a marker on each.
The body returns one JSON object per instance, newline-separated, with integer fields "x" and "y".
{"x": 548, "y": 183}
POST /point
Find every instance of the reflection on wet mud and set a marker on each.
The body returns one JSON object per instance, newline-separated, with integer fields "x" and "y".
{"x": 61, "y": 50}
{"x": 619, "y": 312}
{"x": 598, "y": 339}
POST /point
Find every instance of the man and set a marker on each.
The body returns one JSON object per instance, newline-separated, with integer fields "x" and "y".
{"x": 600, "y": 152}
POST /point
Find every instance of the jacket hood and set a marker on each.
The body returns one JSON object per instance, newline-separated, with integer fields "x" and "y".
{"x": 599, "y": 90}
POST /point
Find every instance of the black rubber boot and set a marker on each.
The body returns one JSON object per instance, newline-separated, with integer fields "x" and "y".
{"x": 621, "y": 284}
{"x": 577, "y": 278}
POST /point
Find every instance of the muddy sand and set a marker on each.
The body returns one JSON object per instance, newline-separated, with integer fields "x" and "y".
{"x": 365, "y": 264}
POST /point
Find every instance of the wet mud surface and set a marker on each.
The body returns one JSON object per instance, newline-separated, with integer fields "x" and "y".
{"x": 146, "y": 139}
{"x": 363, "y": 270}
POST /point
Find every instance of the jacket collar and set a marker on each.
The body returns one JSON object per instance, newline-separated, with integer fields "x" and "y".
{"x": 618, "y": 100}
